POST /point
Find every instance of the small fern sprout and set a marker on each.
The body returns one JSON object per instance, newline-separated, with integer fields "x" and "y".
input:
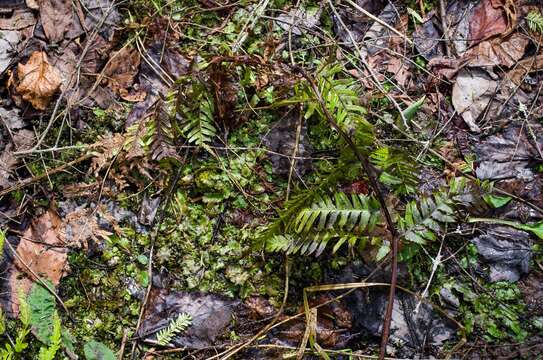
{"x": 534, "y": 19}
{"x": 175, "y": 327}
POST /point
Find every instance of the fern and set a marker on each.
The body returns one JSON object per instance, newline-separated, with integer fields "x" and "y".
{"x": 534, "y": 19}
{"x": 196, "y": 107}
{"x": 398, "y": 170}
{"x": 178, "y": 325}
{"x": 55, "y": 340}
{"x": 162, "y": 145}
{"x": 24, "y": 318}
{"x": 342, "y": 100}
{"x": 340, "y": 213}
{"x": 341, "y": 219}
{"x": 425, "y": 217}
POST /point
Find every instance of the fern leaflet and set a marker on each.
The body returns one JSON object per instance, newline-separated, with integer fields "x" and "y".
{"x": 196, "y": 107}
{"x": 398, "y": 170}
{"x": 424, "y": 218}
{"x": 178, "y": 325}
{"x": 534, "y": 19}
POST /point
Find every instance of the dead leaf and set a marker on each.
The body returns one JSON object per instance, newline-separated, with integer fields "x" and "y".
{"x": 80, "y": 226}
{"x": 400, "y": 69}
{"x": 23, "y": 139}
{"x": 121, "y": 70}
{"x": 20, "y": 19}
{"x": 471, "y": 94}
{"x": 38, "y": 80}
{"x": 12, "y": 119}
{"x": 57, "y": 19}
{"x": 32, "y": 4}
{"x": 8, "y": 47}
{"x": 41, "y": 251}
{"x": 487, "y": 20}
{"x": 66, "y": 63}
{"x": 498, "y": 52}
{"x": 525, "y": 67}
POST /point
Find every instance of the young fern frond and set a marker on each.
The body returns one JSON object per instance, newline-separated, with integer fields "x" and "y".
{"x": 196, "y": 107}
{"x": 178, "y": 325}
{"x": 534, "y": 19}
{"x": 55, "y": 340}
{"x": 342, "y": 100}
{"x": 399, "y": 171}
{"x": 425, "y": 217}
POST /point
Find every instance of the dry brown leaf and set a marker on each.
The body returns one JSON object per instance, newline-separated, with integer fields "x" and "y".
{"x": 23, "y": 139}
{"x": 20, "y": 19}
{"x": 525, "y": 67}
{"x": 80, "y": 226}
{"x": 488, "y": 19}
{"x": 498, "y": 52}
{"x": 41, "y": 251}
{"x": 57, "y": 19}
{"x": 121, "y": 70}
{"x": 38, "y": 80}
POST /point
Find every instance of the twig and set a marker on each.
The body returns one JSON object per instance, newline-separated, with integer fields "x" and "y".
{"x": 368, "y": 169}
{"x": 376, "y": 19}
{"x": 442, "y": 15}
{"x": 26, "y": 182}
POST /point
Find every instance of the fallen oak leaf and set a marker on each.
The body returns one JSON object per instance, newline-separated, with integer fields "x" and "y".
{"x": 38, "y": 80}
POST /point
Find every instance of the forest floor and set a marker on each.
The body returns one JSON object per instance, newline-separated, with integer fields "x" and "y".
{"x": 266, "y": 179}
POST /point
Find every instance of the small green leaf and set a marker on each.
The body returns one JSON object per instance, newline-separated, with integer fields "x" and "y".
{"x": 496, "y": 201}
{"x": 383, "y": 251}
{"x": 412, "y": 109}
{"x": 95, "y": 350}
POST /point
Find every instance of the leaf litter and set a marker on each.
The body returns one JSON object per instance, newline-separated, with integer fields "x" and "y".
{"x": 69, "y": 70}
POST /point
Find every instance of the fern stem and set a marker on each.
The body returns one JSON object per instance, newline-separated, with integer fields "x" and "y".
{"x": 494, "y": 221}
{"x": 368, "y": 169}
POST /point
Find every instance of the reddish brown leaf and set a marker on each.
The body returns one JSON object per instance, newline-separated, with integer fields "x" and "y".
{"x": 38, "y": 80}
{"x": 488, "y": 19}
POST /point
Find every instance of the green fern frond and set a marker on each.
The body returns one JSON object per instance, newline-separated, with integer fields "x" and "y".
{"x": 399, "y": 171}
{"x": 534, "y": 19}
{"x": 426, "y": 217}
{"x": 341, "y": 212}
{"x": 341, "y": 97}
{"x": 337, "y": 220}
{"x": 196, "y": 108}
{"x": 48, "y": 353}
{"x": 178, "y": 325}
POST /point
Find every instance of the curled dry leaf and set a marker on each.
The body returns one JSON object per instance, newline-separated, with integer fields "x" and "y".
{"x": 20, "y": 19}
{"x": 524, "y": 67}
{"x": 58, "y": 20}
{"x": 38, "y": 80}
{"x": 471, "y": 94}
